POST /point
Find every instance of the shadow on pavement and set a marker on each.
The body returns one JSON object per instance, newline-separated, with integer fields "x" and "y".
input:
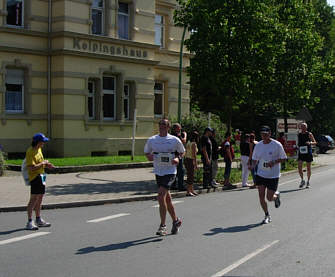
{"x": 234, "y": 229}
{"x": 139, "y": 188}
{"x": 11, "y": 231}
{"x": 117, "y": 246}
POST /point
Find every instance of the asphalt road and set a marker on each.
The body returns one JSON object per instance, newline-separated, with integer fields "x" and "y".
{"x": 221, "y": 235}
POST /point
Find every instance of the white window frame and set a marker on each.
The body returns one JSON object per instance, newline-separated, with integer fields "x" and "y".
{"x": 126, "y": 97}
{"x": 112, "y": 92}
{"x": 92, "y": 95}
{"x": 102, "y": 10}
{"x": 159, "y": 30}
{"x": 22, "y": 17}
{"x": 123, "y": 15}
{"x": 160, "y": 92}
{"x": 16, "y": 78}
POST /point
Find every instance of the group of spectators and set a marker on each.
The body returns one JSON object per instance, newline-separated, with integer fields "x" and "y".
{"x": 210, "y": 150}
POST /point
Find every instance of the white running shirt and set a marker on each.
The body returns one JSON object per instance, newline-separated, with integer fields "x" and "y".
{"x": 164, "y": 149}
{"x": 264, "y": 153}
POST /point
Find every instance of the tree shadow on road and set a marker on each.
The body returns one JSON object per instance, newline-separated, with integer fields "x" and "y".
{"x": 118, "y": 246}
{"x": 233, "y": 229}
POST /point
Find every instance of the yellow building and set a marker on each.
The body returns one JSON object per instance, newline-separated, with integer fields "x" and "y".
{"x": 77, "y": 69}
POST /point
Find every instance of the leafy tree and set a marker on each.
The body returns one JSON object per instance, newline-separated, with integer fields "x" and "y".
{"x": 227, "y": 38}
{"x": 260, "y": 55}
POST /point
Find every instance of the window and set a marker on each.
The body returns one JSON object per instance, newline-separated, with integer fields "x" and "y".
{"x": 97, "y": 17}
{"x": 123, "y": 21}
{"x": 109, "y": 97}
{"x": 15, "y": 12}
{"x": 158, "y": 104}
{"x": 91, "y": 99}
{"x": 126, "y": 101}
{"x": 159, "y": 30}
{"x": 14, "y": 95}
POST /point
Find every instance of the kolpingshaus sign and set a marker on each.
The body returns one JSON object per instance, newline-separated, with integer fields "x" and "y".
{"x": 106, "y": 48}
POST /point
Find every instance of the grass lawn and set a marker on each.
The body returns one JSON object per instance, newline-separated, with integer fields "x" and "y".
{"x": 88, "y": 160}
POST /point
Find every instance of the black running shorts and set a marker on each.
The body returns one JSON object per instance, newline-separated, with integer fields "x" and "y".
{"x": 308, "y": 158}
{"x": 165, "y": 181}
{"x": 269, "y": 183}
{"x": 36, "y": 186}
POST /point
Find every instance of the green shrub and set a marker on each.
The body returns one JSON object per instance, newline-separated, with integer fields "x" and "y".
{"x": 2, "y": 162}
{"x": 198, "y": 121}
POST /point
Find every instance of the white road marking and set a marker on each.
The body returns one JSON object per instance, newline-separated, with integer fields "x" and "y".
{"x": 244, "y": 259}
{"x": 7, "y": 241}
{"x": 173, "y": 202}
{"x": 106, "y": 218}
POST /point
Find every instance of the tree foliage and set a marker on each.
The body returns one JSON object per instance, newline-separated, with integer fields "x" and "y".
{"x": 256, "y": 57}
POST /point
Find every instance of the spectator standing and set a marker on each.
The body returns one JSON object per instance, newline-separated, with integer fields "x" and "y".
{"x": 177, "y": 132}
{"x": 228, "y": 155}
{"x": 282, "y": 140}
{"x": 305, "y": 142}
{"x": 35, "y": 164}
{"x": 215, "y": 158}
{"x": 206, "y": 157}
{"x": 164, "y": 150}
{"x": 245, "y": 154}
{"x": 190, "y": 161}
{"x": 253, "y": 170}
{"x": 237, "y": 139}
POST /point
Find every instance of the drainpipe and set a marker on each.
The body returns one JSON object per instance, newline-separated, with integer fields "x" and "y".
{"x": 49, "y": 68}
{"x": 180, "y": 72}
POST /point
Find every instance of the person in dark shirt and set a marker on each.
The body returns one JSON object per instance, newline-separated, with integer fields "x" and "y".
{"x": 305, "y": 142}
{"x": 228, "y": 155}
{"x": 245, "y": 153}
{"x": 206, "y": 157}
{"x": 176, "y": 131}
{"x": 215, "y": 158}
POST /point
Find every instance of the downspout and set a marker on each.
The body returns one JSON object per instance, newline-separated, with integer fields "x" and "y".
{"x": 49, "y": 68}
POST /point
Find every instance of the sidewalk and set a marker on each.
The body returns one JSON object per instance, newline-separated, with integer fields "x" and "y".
{"x": 90, "y": 188}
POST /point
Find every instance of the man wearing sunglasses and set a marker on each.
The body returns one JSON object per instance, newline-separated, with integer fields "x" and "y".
{"x": 268, "y": 155}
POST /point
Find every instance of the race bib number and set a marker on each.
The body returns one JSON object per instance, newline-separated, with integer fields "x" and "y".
{"x": 303, "y": 149}
{"x": 164, "y": 159}
{"x": 264, "y": 165}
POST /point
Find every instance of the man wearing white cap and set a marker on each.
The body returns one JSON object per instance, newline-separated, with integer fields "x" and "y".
{"x": 268, "y": 154}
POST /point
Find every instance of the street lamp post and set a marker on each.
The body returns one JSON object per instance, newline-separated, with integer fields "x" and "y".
{"x": 180, "y": 72}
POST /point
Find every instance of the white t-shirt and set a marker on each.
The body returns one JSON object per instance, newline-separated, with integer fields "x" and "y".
{"x": 164, "y": 149}
{"x": 264, "y": 153}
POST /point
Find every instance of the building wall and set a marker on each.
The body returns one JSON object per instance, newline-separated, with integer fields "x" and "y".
{"x": 74, "y": 58}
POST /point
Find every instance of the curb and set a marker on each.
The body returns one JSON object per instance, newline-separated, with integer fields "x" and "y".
{"x": 86, "y": 168}
{"x": 153, "y": 196}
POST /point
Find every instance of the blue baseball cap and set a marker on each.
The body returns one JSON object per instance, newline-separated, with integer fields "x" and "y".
{"x": 40, "y": 137}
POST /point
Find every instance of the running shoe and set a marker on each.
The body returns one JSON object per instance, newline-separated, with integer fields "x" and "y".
{"x": 31, "y": 226}
{"x": 175, "y": 226}
{"x": 308, "y": 185}
{"x": 277, "y": 199}
{"x": 162, "y": 231}
{"x": 267, "y": 219}
{"x": 302, "y": 183}
{"x": 42, "y": 223}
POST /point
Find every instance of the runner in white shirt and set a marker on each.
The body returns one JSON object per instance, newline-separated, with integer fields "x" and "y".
{"x": 164, "y": 150}
{"x": 268, "y": 154}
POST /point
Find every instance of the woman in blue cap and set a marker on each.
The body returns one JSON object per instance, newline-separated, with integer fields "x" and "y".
{"x": 35, "y": 165}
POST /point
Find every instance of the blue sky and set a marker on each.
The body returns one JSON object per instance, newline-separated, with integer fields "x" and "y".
{"x": 331, "y": 2}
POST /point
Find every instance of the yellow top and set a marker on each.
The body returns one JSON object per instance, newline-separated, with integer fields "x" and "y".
{"x": 34, "y": 157}
{"x": 189, "y": 149}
